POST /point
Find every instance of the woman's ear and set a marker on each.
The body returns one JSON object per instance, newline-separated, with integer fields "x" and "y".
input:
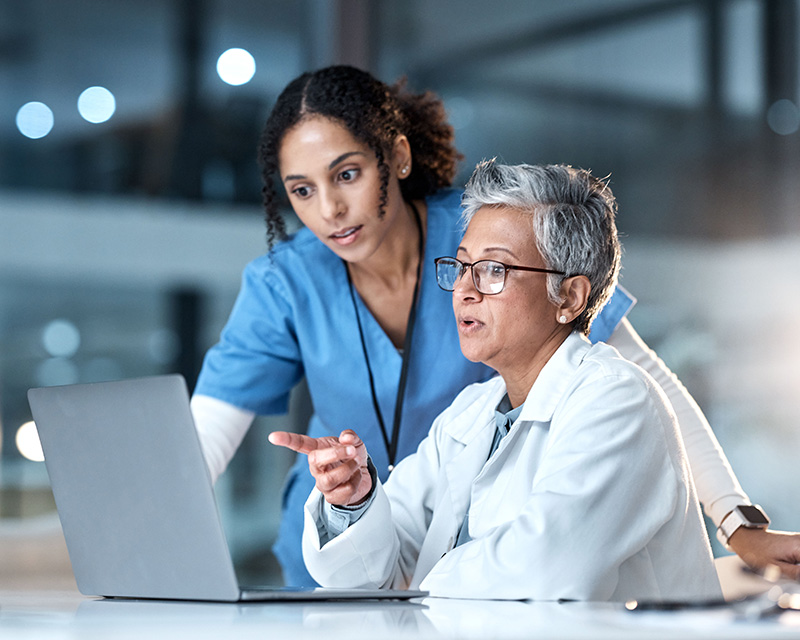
{"x": 401, "y": 157}
{"x": 575, "y": 295}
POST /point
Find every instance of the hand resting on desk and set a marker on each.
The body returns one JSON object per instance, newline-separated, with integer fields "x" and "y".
{"x": 339, "y": 465}
{"x": 761, "y": 548}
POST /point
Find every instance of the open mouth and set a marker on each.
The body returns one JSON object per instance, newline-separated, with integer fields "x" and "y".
{"x": 468, "y": 322}
{"x": 345, "y": 233}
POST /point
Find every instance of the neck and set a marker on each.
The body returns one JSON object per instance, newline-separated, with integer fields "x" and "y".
{"x": 398, "y": 255}
{"x": 519, "y": 379}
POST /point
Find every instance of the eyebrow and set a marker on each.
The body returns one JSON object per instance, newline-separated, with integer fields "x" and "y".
{"x": 333, "y": 163}
{"x": 490, "y": 249}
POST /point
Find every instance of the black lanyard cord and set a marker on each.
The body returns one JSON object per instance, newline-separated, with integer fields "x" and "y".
{"x": 391, "y": 443}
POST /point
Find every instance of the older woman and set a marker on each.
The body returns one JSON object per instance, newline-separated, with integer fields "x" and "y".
{"x": 564, "y": 476}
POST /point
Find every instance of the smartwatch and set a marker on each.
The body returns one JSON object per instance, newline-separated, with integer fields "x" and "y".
{"x": 749, "y": 516}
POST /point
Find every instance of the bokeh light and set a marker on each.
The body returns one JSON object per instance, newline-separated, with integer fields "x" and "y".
{"x": 35, "y": 120}
{"x": 28, "y": 442}
{"x": 236, "y": 66}
{"x": 61, "y": 338}
{"x": 96, "y": 104}
{"x": 783, "y": 117}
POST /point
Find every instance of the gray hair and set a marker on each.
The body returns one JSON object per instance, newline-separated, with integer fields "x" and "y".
{"x": 573, "y": 216}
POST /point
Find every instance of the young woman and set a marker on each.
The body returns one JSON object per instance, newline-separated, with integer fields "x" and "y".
{"x": 351, "y": 301}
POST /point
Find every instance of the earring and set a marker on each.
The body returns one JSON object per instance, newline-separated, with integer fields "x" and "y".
{"x": 404, "y": 170}
{"x": 562, "y": 319}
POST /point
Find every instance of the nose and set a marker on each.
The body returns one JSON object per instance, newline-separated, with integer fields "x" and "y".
{"x": 331, "y": 205}
{"x": 464, "y": 287}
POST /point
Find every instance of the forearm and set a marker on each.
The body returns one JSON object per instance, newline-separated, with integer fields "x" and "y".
{"x": 717, "y": 487}
{"x": 221, "y": 428}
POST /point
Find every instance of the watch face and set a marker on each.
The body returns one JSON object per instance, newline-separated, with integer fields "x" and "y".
{"x": 753, "y": 514}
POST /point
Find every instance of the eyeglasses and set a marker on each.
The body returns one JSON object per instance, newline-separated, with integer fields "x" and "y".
{"x": 489, "y": 276}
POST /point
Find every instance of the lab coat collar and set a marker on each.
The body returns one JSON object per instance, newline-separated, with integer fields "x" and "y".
{"x": 554, "y": 378}
{"x": 477, "y": 413}
{"x": 540, "y": 404}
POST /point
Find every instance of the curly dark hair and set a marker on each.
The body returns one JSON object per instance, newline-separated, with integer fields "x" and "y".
{"x": 375, "y": 114}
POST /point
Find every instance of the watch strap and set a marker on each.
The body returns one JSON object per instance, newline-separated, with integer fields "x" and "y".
{"x": 738, "y": 518}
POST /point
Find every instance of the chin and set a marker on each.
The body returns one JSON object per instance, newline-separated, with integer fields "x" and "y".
{"x": 469, "y": 353}
{"x": 353, "y": 254}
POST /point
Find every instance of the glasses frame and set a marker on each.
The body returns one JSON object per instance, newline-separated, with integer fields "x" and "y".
{"x": 507, "y": 267}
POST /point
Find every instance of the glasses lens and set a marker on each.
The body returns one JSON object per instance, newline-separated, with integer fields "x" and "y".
{"x": 490, "y": 276}
{"x": 448, "y": 270}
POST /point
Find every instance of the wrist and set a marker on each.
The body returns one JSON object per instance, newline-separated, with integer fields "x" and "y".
{"x": 749, "y": 516}
{"x": 373, "y": 476}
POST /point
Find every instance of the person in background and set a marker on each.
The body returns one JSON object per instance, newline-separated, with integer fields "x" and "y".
{"x": 350, "y": 301}
{"x": 565, "y": 476}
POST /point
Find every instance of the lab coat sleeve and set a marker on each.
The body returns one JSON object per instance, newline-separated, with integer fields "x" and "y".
{"x": 605, "y": 485}
{"x": 381, "y": 548}
{"x": 717, "y": 487}
{"x": 364, "y": 555}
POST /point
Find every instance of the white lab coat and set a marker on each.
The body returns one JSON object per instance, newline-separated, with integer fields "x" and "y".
{"x": 588, "y": 497}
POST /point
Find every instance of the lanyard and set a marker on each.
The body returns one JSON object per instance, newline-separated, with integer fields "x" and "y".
{"x": 391, "y": 442}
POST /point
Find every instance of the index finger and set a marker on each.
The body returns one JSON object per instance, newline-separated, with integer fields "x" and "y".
{"x": 294, "y": 441}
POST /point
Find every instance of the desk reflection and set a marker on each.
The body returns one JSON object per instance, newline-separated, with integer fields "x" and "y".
{"x": 426, "y": 618}
{"x": 53, "y": 615}
{"x": 429, "y": 617}
{"x": 310, "y": 619}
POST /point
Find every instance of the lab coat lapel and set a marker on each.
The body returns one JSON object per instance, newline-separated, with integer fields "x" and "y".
{"x": 459, "y": 473}
{"x": 475, "y": 434}
{"x": 462, "y": 469}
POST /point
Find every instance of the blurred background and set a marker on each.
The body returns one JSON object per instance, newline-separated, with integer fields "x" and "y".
{"x": 130, "y": 197}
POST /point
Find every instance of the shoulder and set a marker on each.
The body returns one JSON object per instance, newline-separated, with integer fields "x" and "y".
{"x": 298, "y": 247}
{"x": 610, "y": 401}
{"x": 445, "y": 202}
{"x": 602, "y": 361}
{"x": 293, "y": 279}
{"x": 618, "y": 402}
{"x": 607, "y": 379}
{"x": 444, "y": 220}
{"x": 300, "y": 257}
{"x": 581, "y": 372}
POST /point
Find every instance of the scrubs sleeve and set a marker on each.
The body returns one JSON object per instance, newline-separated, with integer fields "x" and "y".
{"x": 717, "y": 487}
{"x": 613, "y": 312}
{"x": 257, "y": 361}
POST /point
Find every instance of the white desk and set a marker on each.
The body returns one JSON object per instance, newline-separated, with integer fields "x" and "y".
{"x": 46, "y": 615}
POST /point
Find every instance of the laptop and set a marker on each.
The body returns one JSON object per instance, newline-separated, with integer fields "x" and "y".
{"x": 135, "y": 498}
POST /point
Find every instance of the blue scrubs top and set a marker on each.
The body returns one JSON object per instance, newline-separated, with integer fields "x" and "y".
{"x": 294, "y": 317}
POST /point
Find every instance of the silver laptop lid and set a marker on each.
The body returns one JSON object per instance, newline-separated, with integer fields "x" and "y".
{"x": 132, "y": 490}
